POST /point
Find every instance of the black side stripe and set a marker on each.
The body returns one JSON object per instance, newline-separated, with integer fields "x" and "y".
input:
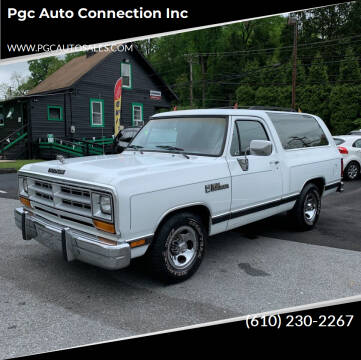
{"x": 332, "y": 186}
{"x": 236, "y": 214}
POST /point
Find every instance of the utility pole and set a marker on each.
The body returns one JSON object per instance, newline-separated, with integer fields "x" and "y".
{"x": 190, "y": 60}
{"x": 293, "y": 21}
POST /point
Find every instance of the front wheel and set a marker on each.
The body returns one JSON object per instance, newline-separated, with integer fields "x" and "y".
{"x": 307, "y": 208}
{"x": 178, "y": 247}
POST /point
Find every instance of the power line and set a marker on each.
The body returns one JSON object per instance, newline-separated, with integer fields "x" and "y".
{"x": 321, "y": 42}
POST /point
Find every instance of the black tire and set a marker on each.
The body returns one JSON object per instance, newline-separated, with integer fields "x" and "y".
{"x": 352, "y": 171}
{"x": 178, "y": 237}
{"x": 307, "y": 209}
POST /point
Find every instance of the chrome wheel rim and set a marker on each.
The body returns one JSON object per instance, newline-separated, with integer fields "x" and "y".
{"x": 182, "y": 248}
{"x": 352, "y": 171}
{"x": 310, "y": 208}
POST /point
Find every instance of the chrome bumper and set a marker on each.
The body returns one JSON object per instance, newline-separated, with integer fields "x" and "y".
{"x": 72, "y": 243}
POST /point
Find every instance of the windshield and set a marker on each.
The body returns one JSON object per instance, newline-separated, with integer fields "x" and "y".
{"x": 198, "y": 135}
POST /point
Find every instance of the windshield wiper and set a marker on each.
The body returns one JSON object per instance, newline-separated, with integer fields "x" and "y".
{"x": 136, "y": 147}
{"x": 174, "y": 149}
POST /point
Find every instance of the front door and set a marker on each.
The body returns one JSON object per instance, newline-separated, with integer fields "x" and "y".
{"x": 256, "y": 190}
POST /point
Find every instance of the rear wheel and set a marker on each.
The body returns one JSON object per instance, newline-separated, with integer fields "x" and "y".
{"x": 352, "y": 171}
{"x": 178, "y": 248}
{"x": 307, "y": 208}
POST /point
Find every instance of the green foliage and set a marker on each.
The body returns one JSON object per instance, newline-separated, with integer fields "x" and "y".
{"x": 318, "y": 71}
{"x": 301, "y": 77}
{"x": 349, "y": 68}
{"x": 314, "y": 99}
{"x": 42, "y": 68}
{"x": 267, "y": 96}
{"x": 245, "y": 95}
{"x": 357, "y": 123}
{"x": 345, "y": 107}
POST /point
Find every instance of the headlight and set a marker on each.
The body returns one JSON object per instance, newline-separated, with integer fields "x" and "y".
{"x": 102, "y": 206}
{"x": 105, "y": 205}
{"x": 23, "y": 186}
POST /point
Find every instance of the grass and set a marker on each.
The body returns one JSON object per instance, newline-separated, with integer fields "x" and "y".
{"x": 17, "y": 164}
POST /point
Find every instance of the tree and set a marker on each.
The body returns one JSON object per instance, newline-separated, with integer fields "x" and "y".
{"x": 42, "y": 68}
{"x": 318, "y": 71}
{"x": 345, "y": 107}
{"x": 301, "y": 77}
{"x": 16, "y": 87}
{"x": 245, "y": 95}
{"x": 349, "y": 68}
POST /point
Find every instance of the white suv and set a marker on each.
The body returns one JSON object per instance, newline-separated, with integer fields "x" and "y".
{"x": 186, "y": 175}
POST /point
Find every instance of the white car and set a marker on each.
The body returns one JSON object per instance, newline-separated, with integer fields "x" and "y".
{"x": 350, "y": 148}
{"x": 185, "y": 176}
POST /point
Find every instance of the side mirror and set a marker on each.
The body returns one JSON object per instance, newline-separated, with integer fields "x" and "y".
{"x": 260, "y": 147}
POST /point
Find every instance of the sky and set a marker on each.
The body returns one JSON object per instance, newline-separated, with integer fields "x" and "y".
{"x": 7, "y": 70}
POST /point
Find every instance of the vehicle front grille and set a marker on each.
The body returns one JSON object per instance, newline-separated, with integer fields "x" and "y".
{"x": 62, "y": 197}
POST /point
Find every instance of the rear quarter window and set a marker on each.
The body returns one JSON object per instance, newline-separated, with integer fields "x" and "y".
{"x": 298, "y": 131}
{"x": 339, "y": 141}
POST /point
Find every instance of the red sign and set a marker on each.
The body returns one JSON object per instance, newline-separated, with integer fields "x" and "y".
{"x": 118, "y": 89}
{"x": 117, "y": 105}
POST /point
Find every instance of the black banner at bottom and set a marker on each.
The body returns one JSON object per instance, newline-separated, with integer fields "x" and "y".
{"x": 271, "y": 332}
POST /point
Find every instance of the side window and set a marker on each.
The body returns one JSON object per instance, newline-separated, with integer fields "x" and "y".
{"x": 126, "y": 74}
{"x": 298, "y": 131}
{"x": 137, "y": 114}
{"x": 96, "y": 112}
{"x": 55, "y": 113}
{"x": 244, "y": 132}
{"x": 357, "y": 143}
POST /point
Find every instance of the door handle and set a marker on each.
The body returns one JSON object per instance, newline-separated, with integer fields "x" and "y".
{"x": 274, "y": 162}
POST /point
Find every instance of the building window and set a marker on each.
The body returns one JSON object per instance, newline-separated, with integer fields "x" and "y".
{"x": 96, "y": 112}
{"x": 126, "y": 74}
{"x": 55, "y": 113}
{"x": 10, "y": 113}
{"x": 137, "y": 114}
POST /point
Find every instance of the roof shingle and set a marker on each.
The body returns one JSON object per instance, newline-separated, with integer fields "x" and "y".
{"x": 69, "y": 73}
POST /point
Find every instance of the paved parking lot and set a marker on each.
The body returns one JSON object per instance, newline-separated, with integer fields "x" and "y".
{"x": 46, "y": 304}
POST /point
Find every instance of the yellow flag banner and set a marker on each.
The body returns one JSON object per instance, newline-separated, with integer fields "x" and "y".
{"x": 117, "y": 105}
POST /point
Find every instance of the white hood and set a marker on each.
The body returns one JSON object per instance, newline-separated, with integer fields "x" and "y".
{"x": 114, "y": 169}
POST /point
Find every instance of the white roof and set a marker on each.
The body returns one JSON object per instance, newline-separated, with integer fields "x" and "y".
{"x": 348, "y": 138}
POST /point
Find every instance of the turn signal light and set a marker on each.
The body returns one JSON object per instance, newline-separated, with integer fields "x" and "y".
{"x": 102, "y": 225}
{"x": 137, "y": 243}
{"x": 25, "y": 202}
{"x": 342, "y": 150}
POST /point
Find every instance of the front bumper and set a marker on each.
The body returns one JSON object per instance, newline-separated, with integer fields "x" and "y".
{"x": 72, "y": 243}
